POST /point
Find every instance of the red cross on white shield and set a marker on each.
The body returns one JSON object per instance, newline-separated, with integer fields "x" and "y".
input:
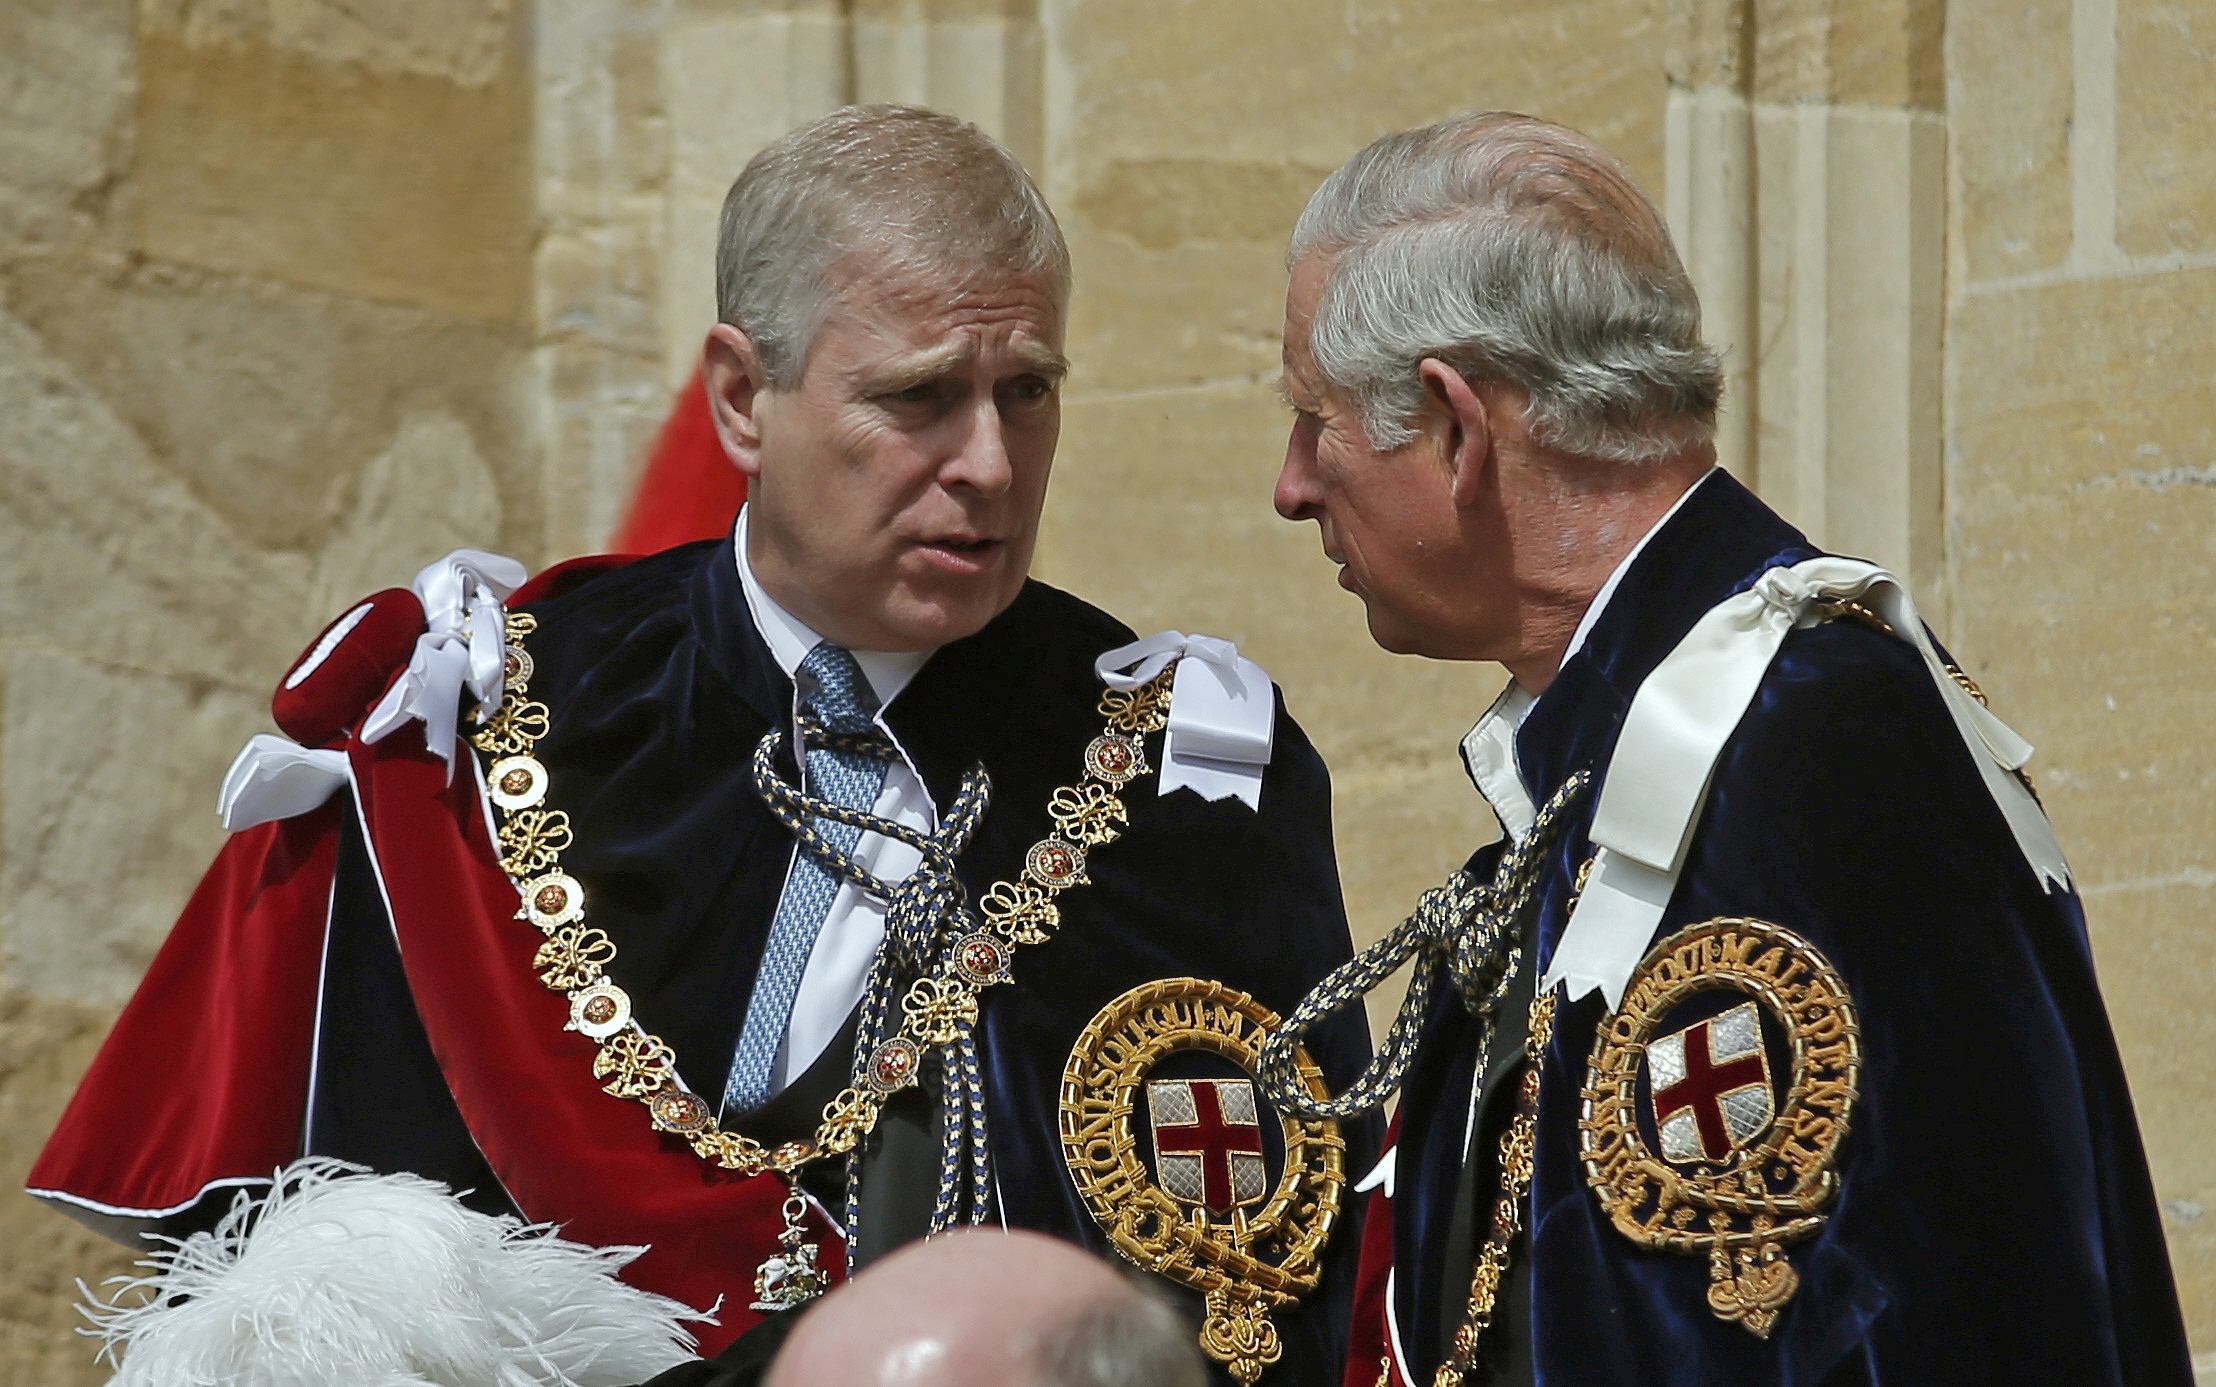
{"x": 1207, "y": 1142}
{"x": 1709, "y": 1085}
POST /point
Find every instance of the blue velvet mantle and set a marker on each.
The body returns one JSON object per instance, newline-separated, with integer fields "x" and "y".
{"x": 660, "y": 687}
{"x": 1995, "y": 1222}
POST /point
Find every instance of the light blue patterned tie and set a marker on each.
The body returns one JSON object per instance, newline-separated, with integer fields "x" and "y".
{"x": 841, "y": 699}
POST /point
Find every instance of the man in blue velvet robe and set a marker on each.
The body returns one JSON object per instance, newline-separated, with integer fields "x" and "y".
{"x": 1766, "y": 1046}
{"x": 721, "y": 937}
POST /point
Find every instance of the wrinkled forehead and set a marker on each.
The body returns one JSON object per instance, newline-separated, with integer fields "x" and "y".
{"x": 913, "y": 294}
{"x": 893, "y": 259}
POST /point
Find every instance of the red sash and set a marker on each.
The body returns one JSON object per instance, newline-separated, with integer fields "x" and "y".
{"x": 567, "y": 1152}
{"x": 204, "y": 1081}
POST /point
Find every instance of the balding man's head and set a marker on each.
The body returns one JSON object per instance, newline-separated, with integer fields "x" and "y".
{"x": 1520, "y": 252}
{"x": 1016, "y": 1309}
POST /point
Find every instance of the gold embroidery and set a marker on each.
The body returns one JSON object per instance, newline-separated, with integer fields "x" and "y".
{"x": 1244, "y": 1263}
{"x": 1734, "y": 1181}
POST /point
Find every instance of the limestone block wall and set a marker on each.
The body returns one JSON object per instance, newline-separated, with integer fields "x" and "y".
{"x": 2081, "y": 504}
{"x": 295, "y": 294}
{"x": 265, "y": 296}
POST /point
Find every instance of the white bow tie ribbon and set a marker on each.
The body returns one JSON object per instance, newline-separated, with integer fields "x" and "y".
{"x": 1223, "y": 712}
{"x": 277, "y": 778}
{"x": 1676, "y": 728}
{"x": 465, "y": 628}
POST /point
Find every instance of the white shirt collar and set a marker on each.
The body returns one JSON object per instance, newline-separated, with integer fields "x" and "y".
{"x": 789, "y": 639}
{"x": 1489, "y": 751}
{"x": 1489, "y": 755}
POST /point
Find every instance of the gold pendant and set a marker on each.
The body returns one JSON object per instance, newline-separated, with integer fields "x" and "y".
{"x": 790, "y": 1278}
{"x": 1206, "y": 1214}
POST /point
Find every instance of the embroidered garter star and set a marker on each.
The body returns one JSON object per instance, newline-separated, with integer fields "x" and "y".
{"x": 1195, "y": 1199}
{"x": 1715, "y": 1104}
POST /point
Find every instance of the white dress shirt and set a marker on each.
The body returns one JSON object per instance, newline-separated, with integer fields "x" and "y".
{"x": 838, "y": 966}
{"x": 1489, "y": 749}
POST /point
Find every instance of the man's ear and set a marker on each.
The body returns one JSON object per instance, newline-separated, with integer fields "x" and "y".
{"x": 736, "y": 385}
{"x": 1469, "y": 427}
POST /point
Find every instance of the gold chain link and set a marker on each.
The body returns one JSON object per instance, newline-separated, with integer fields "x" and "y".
{"x": 637, "y": 1065}
{"x": 1518, "y": 1146}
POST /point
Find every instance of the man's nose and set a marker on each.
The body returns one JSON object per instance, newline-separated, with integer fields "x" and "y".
{"x": 1295, "y": 492}
{"x": 981, "y": 463}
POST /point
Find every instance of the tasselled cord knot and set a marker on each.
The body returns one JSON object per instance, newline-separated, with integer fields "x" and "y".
{"x": 926, "y": 917}
{"x": 1462, "y": 927}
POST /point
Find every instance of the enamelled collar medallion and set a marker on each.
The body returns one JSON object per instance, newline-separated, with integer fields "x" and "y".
{"x": 1715, "y": 1105}
{"x": 1183, "y": 1052}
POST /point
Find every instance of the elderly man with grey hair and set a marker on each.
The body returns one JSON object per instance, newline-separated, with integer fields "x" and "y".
{"x": 789, "y": 897}
{"x": 1765, "y": 1046}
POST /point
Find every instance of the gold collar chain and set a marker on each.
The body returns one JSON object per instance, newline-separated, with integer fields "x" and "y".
{"x": 632, "y": 1063}
{"x": 1518, "y": 1147}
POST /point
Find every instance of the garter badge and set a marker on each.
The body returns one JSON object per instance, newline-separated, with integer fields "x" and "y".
{"x": 1188, "y": 1171}
{"x": 1715, "y": 1104}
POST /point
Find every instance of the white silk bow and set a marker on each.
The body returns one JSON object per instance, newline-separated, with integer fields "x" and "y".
{"x": 1677, "y": 725}
{"x": 460, "y": 646}
{"x": 277, "y": 778}
{"x": 465, "y": 628}
{"x": 1223, "y": 712}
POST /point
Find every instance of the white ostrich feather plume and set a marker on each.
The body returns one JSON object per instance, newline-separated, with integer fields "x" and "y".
{"x": 340, "y": 1276}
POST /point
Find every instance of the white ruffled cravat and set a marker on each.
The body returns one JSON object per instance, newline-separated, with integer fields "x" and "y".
{"x": 1677, "y": 726}
{"x": 1223, "y": 712}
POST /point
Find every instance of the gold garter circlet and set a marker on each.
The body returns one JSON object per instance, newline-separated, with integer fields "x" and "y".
{"x": 1244, "y": 1264}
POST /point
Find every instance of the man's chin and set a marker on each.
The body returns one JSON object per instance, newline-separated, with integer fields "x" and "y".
{"x": 928, "y": 620}
{"x": 1398, "y": 637}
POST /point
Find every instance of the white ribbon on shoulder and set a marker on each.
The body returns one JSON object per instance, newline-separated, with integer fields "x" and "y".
{"x": 465, "y": 628}
{"x": 1677, "y": 726}
{"x": 1223, "y": 712}
{"x": 277, "y": 778}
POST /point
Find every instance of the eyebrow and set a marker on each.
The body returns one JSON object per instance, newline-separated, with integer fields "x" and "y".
{"x": 927, "y": 366}
{"x": 1043, "y": 361}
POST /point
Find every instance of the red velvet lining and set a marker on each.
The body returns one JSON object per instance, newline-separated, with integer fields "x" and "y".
{"x": 354, "y": 674}
{"x": 567, "y": 1152}
{"x": 205, "y": 1076}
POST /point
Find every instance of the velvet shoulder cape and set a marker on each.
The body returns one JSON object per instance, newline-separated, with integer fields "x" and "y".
{"x": 1995, "y": 1220}
{"x": 445, "y": 1055}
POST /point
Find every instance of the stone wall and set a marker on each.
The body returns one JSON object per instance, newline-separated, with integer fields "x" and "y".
{"x": 2081, "y": 505}
{"x": 292, "y": 299}
{"x": 265, "y": 298}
